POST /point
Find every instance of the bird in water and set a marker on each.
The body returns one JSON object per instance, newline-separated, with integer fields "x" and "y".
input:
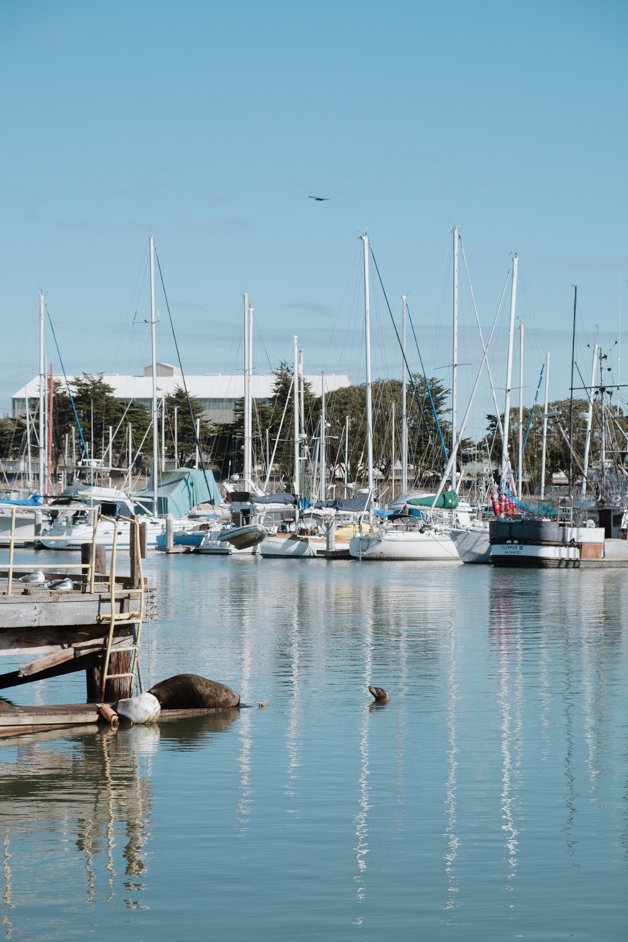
{"x": 379, "y": 694}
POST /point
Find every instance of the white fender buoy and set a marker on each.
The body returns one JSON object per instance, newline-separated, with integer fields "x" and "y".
{"x": 144, "y": 708}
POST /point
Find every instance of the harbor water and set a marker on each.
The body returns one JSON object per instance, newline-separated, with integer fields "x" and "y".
{"x": 487, "y": 800}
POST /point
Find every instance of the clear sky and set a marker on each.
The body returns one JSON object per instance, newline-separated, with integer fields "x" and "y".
{"x": 210, "y": 123}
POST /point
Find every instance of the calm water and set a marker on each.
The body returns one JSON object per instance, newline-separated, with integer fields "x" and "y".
{"x": 488, "y": 800}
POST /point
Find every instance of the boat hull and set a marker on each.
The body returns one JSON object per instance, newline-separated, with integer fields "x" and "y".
{"x": 423, "y": 545}
{"x": 289, "y": 546}
{"x": 548, "y": 544}
{"x": 473, "y": 545}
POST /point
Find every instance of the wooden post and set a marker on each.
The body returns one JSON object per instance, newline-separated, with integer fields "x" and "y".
{"x": 118, "y": 689}
{"x": 97, "y": 562}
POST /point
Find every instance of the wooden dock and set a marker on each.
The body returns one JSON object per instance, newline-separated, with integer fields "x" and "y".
{"x": 91, "y": 623}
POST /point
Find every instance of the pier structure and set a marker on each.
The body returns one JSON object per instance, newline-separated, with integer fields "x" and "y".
{"x": 78, "y": 617}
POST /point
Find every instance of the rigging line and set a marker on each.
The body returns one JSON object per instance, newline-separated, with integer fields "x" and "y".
{"x": 531, "y": 416}
{"x": 258, "y": 335}
{"x": 187, "y": 395}
{"x": 427, "y": 384}
{"x": 428, "y": 387}
{"x": 475, "y": 311}
{"x": 67, "y": 386}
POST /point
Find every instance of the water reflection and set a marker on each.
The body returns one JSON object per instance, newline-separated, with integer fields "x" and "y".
{"x": 361, "y": 818}
{"x": 564, "y": 630}
{"x": 91, "y": 791}
{"x": 451, "y": 835}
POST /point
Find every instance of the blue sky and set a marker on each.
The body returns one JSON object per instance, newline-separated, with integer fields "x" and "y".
{"x": 208, "y": 124}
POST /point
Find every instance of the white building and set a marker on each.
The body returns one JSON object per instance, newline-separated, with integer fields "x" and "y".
{"x": 216, "y": 392}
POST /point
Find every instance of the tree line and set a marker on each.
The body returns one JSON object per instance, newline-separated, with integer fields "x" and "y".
{"x": 93, "y": 423}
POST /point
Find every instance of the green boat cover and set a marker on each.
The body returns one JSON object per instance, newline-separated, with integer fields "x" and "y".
{"x": 448, "y": 500}
{"x": 179, "y": 491}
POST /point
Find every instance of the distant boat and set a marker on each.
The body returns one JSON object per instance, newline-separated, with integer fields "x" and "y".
{"x": 598, "y": 542}
{"x": 216, "y": 539}
{"x": 414, "y": 530}
{"x": 21, "y": 516}
{"x": 72, "y": 513}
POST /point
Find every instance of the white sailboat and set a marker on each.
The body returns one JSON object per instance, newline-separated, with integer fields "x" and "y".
{"x": 404, "y": 539}
{"x": 72, "y": 513}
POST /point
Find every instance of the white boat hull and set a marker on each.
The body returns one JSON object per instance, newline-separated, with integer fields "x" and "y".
{"x": 72, "y": 536}
{"x": 290, "y": 546}
{"x": 425, "y": 545}
{"x": 472, "y": 545}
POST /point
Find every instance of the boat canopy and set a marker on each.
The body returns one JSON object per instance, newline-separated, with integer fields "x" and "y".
{"x": 182, "y": 490}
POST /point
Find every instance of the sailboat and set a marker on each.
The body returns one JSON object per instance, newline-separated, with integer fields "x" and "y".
{"x": 591, "y": 534}
{"x": 72, "y": 513}
{"x": 404, "y": 536}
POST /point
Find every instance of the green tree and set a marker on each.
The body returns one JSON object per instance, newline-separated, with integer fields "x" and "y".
{"x": 188, "y": 411}
{"x": 91, "y": 409}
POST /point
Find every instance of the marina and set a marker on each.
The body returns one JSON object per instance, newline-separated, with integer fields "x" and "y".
{"x": 485, "y": 799}
{"x": 314, "y": 473}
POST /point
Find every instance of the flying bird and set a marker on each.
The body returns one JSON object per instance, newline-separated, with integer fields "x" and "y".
{"x": 319, "y": 199}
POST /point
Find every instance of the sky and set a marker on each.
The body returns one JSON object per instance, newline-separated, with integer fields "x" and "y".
{"x": 209, "y": 125}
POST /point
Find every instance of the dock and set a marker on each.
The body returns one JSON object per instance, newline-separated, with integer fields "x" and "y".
{"x": 82, "y": 618}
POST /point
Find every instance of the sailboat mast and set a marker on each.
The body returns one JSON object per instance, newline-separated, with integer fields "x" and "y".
{"x": 511, "y": 335}
{"x": 367, "y": 331}
{"x": 404, "y": 407}
{"x": 153, "y": 343}
{"x": 248, "y": 313}
{"x": 323, "y": 441}
{"x": 42, "y": 396}
{"x": 573, "y": 357}
{"x": 587, "y": 441}
{"x": 520, "y": 428}
{"x": 297, "y": 482}
{"x": 454, "y": 360}
{"x": 544, "y": 446}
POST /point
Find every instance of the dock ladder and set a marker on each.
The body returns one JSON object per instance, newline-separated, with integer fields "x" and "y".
{"x": 115, "y": 619}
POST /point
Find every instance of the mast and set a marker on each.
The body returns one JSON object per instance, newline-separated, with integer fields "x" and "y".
{"x": 587, "y": 441}
{"x": 520, "y": 428}
{"x": 323, "y": 443}
{"x": 153, "y": 343}
{"x": 545, "y": 417}
{"x": 49, "y": 435}
{"x": 454, "y": 360}
{"x": 404, "y": 409}
{"x": 511, "y": 332}
{"x": 367, "y": 331}
{"x": 42, "y": 397}
{"x": 295, "y": 344}
{"x": 573, "y": 356}
{"x": 248, "y": 314}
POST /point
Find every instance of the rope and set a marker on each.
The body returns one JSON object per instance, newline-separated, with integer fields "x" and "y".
{"x": 189, "y": 401}
{"x": 412, "y": 383}
{"x": 67, "y": 386}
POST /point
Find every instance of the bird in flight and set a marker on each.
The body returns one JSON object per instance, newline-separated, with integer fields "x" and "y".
{"x": 319, "y": 199}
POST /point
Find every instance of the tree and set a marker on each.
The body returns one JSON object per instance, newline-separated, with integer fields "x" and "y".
{"x": 188, "y": 411}
{"x": 90, "y": 409}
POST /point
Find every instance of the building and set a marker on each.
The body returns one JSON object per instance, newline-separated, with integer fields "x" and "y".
{"x": 216, "y": 392}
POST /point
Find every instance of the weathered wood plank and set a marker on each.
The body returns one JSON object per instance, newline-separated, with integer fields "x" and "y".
{"x": 82, "y": 663}
{"x": 23, "y": 641}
